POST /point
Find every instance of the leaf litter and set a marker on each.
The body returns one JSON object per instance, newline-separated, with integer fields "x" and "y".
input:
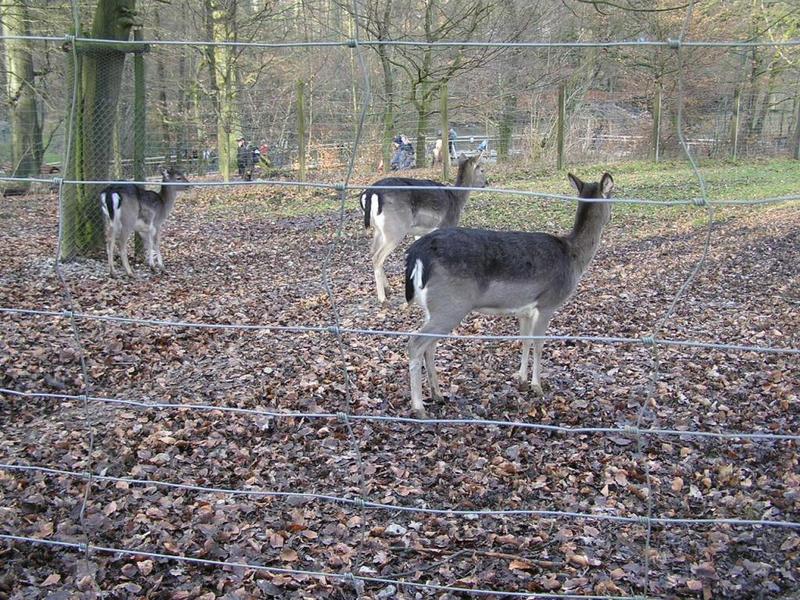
{"x": 232, "y": 264}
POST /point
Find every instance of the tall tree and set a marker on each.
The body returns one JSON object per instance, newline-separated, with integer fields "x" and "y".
{"x": 26, "y": 130}
{"x": 428, "y": 67}
{"x": 223, "y": 70}
{"x": 99, "y": 80}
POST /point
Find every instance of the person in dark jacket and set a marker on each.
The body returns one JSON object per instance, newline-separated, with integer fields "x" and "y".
{"x": 403, "y": 157}
{"x": 244, "y": 159}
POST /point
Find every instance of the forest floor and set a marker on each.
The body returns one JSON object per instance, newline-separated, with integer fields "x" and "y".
{"x": 254, "y": 255}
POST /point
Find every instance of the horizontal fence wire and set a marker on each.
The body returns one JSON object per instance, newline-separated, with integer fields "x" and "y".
{"x": 334, "y": 329}
{"x": 626, "y": 430}
{"x": 303, "y": 573}
{"x": 55, "y": 181}
{"x": 351, "y": 43}
{"x": 360, "y": 502}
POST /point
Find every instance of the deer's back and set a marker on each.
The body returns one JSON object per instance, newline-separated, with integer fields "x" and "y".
{"x": 498, "y": 271}
{"x": 438, "y": 204}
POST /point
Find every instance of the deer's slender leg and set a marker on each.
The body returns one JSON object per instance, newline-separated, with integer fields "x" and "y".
{"x": 540, "y": 323}
{"x": 159, "y": 259}
{"x": 525, "y": 328}
{"x": 381, "y": 281}
{"x": 421, "y": 348}
{"x": 430, "y": 369}
{"x": 110, "y": 235}
{"x": 123, "y": 250}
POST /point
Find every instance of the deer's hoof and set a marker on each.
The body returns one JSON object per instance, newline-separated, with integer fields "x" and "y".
{"x": 536, "y": 390}
{"x": 420, "y": 413}
{"x": 523, "y": 385}
{"x": 437, "y": 397}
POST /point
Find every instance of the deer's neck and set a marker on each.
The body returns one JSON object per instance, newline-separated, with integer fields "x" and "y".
{"x": 168, "y": 194}
{"x": 584, "y": 238}
{"x": 462, "y": 181}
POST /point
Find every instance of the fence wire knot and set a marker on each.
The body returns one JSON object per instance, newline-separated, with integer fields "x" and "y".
{"x": 352, "y": 43}
{"x": 632, "y": 429}
{"x": 58, "y": 181}
{"x": 674, "y": 43}
{"x": 648, "y": 340}
{"x": 699, "y": 201}
{"x": 341, "y": 190}
{"x": 68, "y": 314}
{"x": 334, "y": 330}
{"x": 343, "y": 417}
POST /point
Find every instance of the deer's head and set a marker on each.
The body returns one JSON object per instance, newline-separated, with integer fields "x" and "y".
{"x": 470, "y": 172}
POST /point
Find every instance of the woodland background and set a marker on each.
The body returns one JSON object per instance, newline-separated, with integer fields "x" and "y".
{"x": 205, "y": 97}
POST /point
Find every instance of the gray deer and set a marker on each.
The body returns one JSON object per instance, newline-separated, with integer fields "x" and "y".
{"x": 394, "y": 214}
{"x": 452, "y": 272}
{"x": 127, "y": 208}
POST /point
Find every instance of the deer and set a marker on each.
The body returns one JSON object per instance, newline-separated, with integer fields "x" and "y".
{"x": 395, "y": 213}
{"x": 128, "y": 207}
{"x": 455, "y": 271}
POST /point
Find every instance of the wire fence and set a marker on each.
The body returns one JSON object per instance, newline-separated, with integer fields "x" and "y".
{"x": 347, "y": 415}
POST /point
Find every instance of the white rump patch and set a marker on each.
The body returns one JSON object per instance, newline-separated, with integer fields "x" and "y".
{"x": 116, "y": 202}
{"x": 420, "y": 293}
{"x": 103, "y": 206}
{"x": 376, "y": 219}
{"x": 363, "y": 201}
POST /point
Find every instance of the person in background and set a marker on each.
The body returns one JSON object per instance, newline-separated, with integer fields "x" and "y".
{"x": 244, "y": 158}
{"x": 263, "y": 151}
{"x": 483, "y": 146}
{"x": 403, "y": 157}
{"x": 451, "y": 143}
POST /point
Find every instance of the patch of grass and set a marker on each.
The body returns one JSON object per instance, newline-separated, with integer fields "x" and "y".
{"x": 261, "y": 202}
{"x": 664, "y": 181}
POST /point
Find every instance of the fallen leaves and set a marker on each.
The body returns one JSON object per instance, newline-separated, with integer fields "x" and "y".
{"x": 469, "y": 468}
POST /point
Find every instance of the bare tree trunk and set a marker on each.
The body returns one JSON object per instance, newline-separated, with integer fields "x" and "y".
{"x": 163, "y": 110}
{"x": 26, "y": 131}
{"x": 388, "y": 87}
{"x": 100, "y": 73}
{"x": 506, "y": 128}
{"x": 223, "y": 65}
{"x": 766, "y": 98}
{"x": 423, "y": 102}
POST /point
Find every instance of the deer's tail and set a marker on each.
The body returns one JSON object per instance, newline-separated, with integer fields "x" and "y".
{"x": 110, "y": 202}
{"x": 418, "y": 269}
{"x": 372, "y": 205}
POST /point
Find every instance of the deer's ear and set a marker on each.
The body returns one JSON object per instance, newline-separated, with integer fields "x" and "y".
{"x": 576, "y": 183}
{"x": 606, "y": 184}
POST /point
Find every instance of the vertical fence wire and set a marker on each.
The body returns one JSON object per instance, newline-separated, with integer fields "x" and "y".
{"x": 71, "y": 307}
{"x": 327, "y": 282}
{"x": 650, "y": 397}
